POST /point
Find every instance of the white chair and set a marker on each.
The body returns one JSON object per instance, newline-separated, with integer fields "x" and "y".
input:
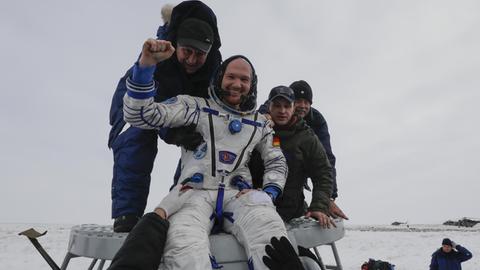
{"x": 100, "y": 243}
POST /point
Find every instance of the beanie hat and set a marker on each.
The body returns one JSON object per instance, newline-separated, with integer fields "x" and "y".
{"x": 195, "y": 33}
{"x": 447, "y": 241}
{"x": 302, "y": 90}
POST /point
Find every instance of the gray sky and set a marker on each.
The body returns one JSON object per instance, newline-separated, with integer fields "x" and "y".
{"x": 397, "y": 81}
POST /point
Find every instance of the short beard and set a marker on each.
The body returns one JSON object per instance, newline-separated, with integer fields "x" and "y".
{"x": 300, "y": 112}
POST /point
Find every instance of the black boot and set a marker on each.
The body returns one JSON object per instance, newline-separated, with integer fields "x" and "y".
{"x": 143, "y": 247}
{"x": 124, "y": 224}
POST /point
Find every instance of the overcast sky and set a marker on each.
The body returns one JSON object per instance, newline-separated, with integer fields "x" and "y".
{"x": 397, "y": 81}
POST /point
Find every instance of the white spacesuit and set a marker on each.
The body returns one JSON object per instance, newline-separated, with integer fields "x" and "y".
{"x": 214, "y": 174}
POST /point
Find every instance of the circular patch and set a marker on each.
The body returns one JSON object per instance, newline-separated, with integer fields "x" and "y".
{"x": 201, "y": 151}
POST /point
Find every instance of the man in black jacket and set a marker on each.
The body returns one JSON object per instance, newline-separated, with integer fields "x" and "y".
{"x": 193, "y": 32}
{"x": 315, "y": 120}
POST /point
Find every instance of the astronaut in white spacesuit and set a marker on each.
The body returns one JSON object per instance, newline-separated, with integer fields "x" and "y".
{"x": 214, "y": 192}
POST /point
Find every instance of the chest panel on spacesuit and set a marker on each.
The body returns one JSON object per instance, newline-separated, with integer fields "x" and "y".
{"x": 226, "y": 150}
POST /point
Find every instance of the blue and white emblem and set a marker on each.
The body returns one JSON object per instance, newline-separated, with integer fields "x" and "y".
{"x": 201, "y": 151}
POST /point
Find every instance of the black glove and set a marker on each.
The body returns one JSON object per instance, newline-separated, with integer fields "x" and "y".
{"x": 143, "y": 248}
{"x": 184, "y": 136}
{"x": 281, "y": 255}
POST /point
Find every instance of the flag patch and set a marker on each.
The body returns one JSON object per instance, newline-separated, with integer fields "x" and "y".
{"x": 276, "y": 141}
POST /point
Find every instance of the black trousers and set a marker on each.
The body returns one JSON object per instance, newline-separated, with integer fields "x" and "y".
{"x": 143, "y": 248}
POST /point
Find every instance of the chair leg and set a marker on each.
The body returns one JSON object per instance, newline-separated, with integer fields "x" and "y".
{"x": 66, "y": 260}
{"x": 92, "y": 264}
{"x": 338, "y": 263}
{"x": 319, "y": 258}
{"x": 101, "y": 264}
{"x": 337, "y": 258}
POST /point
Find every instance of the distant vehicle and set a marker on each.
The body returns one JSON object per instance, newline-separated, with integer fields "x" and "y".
{"x": 464, "y": 222}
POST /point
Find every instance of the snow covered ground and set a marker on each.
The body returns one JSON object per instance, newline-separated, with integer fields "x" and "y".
{"x": 406, "y": 247}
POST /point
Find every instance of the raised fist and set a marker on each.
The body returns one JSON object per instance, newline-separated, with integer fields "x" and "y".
{"x": 155, "y": 51}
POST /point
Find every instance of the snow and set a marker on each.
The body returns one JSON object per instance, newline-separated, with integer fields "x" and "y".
{"x": 408, "y": 247}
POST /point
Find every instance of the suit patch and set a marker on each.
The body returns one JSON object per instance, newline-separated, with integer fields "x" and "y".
{"x": 226, "y": 157}
{"x": 276, "y": 141}
{"x": 201, "y": 151}
{"x": 170, "y": 100}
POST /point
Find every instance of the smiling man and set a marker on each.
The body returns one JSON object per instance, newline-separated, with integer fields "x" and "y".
{"x": 194, "y": 39}
{"x": 315, "y": 120}
{"x": 305, "y": 158}
{"x": 215, "y": 175}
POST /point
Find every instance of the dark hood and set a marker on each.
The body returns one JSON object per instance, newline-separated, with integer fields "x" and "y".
{"x": 192, "y": 9}
{"x": 171, "y": 77}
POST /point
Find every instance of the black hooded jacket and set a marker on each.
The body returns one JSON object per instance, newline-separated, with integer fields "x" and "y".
{"x": 317, "y": 122}
{"x": 171, "y": 79}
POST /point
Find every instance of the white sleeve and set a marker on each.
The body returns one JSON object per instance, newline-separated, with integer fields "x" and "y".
{"x": 276, "y": 168}
{"x": 140, "y": 109}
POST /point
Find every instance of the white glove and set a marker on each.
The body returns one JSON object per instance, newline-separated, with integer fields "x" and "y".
{"x": 454, "y": 245}
{"x": 175, "y": 200}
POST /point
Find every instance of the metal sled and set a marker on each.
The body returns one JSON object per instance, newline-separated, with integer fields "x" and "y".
{"x": 100, "y": 243}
